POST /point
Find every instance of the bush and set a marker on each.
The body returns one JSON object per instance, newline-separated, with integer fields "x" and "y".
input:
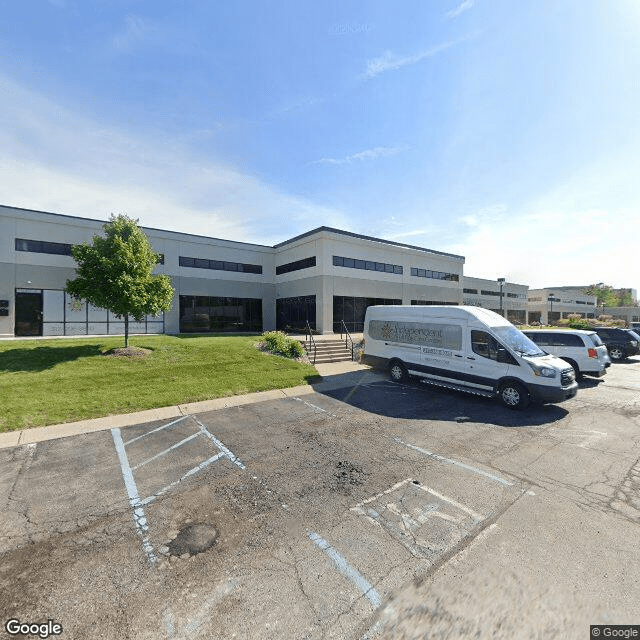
{"x": 279, "y": 343}
{"x": 579, "y": 323}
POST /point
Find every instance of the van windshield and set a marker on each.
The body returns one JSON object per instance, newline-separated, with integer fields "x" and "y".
{"x": 518, "y": 341}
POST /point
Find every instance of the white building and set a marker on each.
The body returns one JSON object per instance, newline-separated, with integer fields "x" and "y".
{"x": 506, "y": 298}
{"x": 325, "y": 276}
{"x": 553, "y": 304}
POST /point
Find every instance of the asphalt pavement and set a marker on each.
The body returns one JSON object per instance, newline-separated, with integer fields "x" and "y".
{"x": 352, "y": 508}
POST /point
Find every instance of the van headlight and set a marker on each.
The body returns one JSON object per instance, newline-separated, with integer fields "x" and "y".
{"x": 545, "y": 372}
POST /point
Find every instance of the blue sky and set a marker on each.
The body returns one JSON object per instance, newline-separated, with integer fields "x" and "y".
{"x": 503, "y": 131}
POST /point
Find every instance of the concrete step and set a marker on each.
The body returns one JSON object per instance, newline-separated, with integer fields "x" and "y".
{"x": 328, "y": 351}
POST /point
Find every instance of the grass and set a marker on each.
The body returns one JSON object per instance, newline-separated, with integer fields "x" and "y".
{"x": 52, "y": 381}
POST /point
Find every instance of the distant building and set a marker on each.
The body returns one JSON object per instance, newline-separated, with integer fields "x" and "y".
{"x": 555, "y": 303}
{"x": 506, "y": 298}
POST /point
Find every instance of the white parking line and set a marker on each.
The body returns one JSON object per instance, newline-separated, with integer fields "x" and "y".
{"x": 365, "y": 587}
{"x": 162, "y": 453}
{"x": 313, "y": 406}
{"x": 219, "y": 444}
{"x": 191, "y": 472}
{"x": 134, "y": 499}
{"x": 148, "y": 433}
{"x": 462, "y": 465}
{"x": 129, "y": 481}
{"x": 471, "y": 512}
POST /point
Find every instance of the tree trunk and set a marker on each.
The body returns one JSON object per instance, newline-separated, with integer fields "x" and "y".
{"x": 126, "y": 330}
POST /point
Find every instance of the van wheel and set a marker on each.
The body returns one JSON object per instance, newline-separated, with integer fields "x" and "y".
{"x": 616, "y": 353}
{"x": 513, "y": 395}
{"x": 398, "y": 372}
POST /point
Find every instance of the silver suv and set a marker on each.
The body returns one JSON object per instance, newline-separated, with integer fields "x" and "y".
{"x": 583, "y": 350}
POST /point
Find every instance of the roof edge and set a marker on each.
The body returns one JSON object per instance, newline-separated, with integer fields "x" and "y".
{"x": 363, "y": 237}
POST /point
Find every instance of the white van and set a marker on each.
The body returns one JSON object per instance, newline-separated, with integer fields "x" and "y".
{"x": 465, "y": 348}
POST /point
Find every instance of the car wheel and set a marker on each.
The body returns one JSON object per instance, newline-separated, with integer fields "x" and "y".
{"x": 398, "y": 371}
{"x": 576, "y": 368}
{"x": 616, "y": 353}
{"x": 513, "y": 395}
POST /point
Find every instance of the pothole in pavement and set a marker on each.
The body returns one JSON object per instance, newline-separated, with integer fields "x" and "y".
{"x": 349, "y": 473}
{"x": 193, "y": 539}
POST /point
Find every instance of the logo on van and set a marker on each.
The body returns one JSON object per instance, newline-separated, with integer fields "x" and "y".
{"x": 443, "y": 336}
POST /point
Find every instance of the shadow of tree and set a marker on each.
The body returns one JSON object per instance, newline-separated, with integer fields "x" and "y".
{"x": 42, "y": 358}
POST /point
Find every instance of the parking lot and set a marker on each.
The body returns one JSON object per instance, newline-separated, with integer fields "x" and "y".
{"x": 362, "y": 509}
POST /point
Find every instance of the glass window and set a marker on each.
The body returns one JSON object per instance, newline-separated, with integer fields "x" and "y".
{"x": 595, "y": 338}
{"x": 568, "y": 340}
{"x": 484, "y": 344}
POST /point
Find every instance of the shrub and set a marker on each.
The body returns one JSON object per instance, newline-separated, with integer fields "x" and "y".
{"x": 279, "y": 343}
{"x": 579, "y": 323}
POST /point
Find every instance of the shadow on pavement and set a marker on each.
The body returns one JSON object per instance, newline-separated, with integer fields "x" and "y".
{"x": 416, "y": 400}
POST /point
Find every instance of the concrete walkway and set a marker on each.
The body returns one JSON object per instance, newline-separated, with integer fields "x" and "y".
{"x": 333, "y": 375}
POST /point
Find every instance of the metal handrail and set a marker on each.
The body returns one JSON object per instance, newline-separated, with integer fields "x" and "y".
{"x": 347, "y": 336}
{"x": 313, "y": 342}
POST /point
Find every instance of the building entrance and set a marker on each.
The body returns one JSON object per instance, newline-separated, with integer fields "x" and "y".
{"x": 28, "y": 313}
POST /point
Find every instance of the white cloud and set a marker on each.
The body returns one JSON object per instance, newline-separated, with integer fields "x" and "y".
{"x": 390, "y": 61}
{"x": 53, "y": 160}
{"x": 561, "y": 238}
{"x": 368, "y": 154}
{"x": 135, "y": 30}
{"x": 465, "y": 5}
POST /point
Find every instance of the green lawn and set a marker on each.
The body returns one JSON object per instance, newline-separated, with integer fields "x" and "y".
{"x": 51, "y": 381}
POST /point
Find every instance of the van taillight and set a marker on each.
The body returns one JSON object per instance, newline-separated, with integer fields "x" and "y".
{"x": 593, "y": 353}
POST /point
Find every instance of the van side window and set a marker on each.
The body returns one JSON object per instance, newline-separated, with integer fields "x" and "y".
{"x": 568, "y": 340}
{"x": 484, "y": 344}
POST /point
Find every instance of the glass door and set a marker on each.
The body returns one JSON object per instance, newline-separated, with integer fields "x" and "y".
{"x": 28, "y": 313}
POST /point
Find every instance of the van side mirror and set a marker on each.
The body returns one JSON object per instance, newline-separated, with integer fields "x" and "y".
{"x": 503, "y": 355}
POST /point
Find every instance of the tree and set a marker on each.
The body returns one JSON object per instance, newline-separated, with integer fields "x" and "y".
{"x": 116, "y": 273}
{"x": 626, "y": 299}
{"x": 604, "y": 293}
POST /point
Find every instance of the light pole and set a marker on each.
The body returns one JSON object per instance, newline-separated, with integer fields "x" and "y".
{"x": 550, "y": 298}
{"x": 501, "y": 281}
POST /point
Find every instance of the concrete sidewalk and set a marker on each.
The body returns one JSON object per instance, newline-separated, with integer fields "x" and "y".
{"x": 333, "y": 375}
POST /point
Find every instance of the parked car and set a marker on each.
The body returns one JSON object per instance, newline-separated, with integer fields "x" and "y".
{"x": 634, "y": 326}
{"x": 621, "y": 343}
{"x": 583, "y": 350}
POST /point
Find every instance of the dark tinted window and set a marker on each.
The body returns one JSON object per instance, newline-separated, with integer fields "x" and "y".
{"x": 369, "y": 265}
{"x": 484, "y": 344}
{"x": 42, "y": 246}
{"x": 539, "y": 337}
{"x": 297, "y": 265}
{"x": 218, "y": 265}
{"x": 567, "y": 340}
{"x": 595, "y": 338}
